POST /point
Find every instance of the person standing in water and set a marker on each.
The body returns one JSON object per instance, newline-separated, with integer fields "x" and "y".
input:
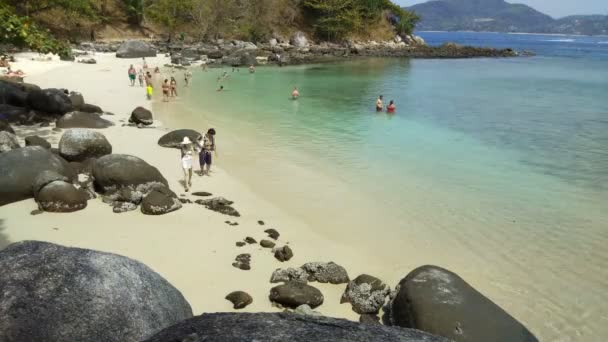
{"x": 207, "y": 149}
{"x": 379, "y": 104}
{"x": 251, "y": 69}
{"x": 187, "y": 77}
{"x": 187, "y": 150}
{"x": 295, "y": 93}
{"x": 391, "y": 107}
{"x": 140, "y": 76}
{"x": 173, "y": 87}
{"x": 132, "y": 74}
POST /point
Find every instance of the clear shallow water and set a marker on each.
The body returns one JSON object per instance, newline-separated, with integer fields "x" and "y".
{"x": 494, "y": 168}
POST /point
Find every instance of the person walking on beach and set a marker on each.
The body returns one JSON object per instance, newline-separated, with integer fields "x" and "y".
{"x": 391, "y": 107}
{"x": 207, "y": 148}
{"x": 144, "y": 63}
{"x": 148, "y": 79}
{"x": 173, "y": 87}
{"x": 187, "y": 150}
{"x": 166, "y": 90}
{"x": 149, "y": 91}
{"x": 379, "y": 104}
{"x": 140, "y": 76}
{"x": 132, "y": 74}
{"x": 295, "y": 93}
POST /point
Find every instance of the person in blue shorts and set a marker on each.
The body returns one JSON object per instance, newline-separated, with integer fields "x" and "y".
{"x": 207, "y": 149}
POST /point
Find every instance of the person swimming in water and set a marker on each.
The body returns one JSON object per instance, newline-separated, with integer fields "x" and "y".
{"x": 391, "y": 107}
{"x": 295, "y": 93}
{"x": 220, "y": 89}
{"x": 379, "y": 104}
{"x": 251, "y": 69}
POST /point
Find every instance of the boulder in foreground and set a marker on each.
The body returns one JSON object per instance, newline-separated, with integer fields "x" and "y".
{"x": 83, "y": 120}
{"x": 294, "y": 293}
{"x": 160, "y": 201}
{"x": 54, "y": 293}
{"x": 20, "y": 167}
{"x": 366, "y": 294}
{"x": 52, "y": 101}
{"x": 438, "y": 301}
{"x": 141, "y": 115}
{"x": 135, "y": 49}
{"x": 79, "y": 144}
{"x": 116, "y": 171}
{"x": 61, "y": 197}
{"x": 281, "y": 327}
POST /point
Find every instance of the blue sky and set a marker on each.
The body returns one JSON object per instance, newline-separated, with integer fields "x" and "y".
{"x": 555, "y": 8}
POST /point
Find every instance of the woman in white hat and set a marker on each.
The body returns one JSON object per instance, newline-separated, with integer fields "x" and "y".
{"x": 187, "y": 152}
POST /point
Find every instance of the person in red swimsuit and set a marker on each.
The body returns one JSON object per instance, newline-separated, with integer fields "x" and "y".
{"x": 391, "y": 107}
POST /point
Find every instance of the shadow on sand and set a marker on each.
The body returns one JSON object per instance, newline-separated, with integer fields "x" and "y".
{"x": 3, "y": 239}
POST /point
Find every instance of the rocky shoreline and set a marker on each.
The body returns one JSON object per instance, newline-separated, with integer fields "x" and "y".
{"x": 297, "y": 50}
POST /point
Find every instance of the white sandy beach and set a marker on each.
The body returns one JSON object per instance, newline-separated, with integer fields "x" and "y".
{"x": 193, "y": 248}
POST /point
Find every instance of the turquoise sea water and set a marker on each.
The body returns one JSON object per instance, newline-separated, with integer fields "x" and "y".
{"x": 494, "y": 168}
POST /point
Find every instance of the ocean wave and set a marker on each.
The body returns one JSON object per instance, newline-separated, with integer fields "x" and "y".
{"x": 560, "y": 40}
{"x": 603, "y": 43}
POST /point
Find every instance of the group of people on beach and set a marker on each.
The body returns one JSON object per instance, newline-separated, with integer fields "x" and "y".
{"x": 205, "y": 147}
{"x": 5, "y": 63}
{"x": 391, "y": 108}
{"x": 144, "y": 76}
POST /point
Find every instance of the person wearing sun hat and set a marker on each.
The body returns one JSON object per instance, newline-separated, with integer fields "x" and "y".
{"x": 187, "y": 149}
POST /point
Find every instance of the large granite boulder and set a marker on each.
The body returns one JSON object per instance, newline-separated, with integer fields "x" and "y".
{"x": 366, "y": 294}
{"x": 5, "y": 126}
{"x": 141, "y": 115}
{"x": 117, "y": 171}
{"x": 34, "y": 140}
{"x": 77, "y": 100}
{"x": 10, "y": 94}
{"x": 438, "y": 301}
{"x": 53, "y": 293}
{"x": 13, "y": 114}
{"x": 44, "y": 178}
{"x": 135, "y": 49}
{"x": 20, "y": 167}
{"x": 281, "y": 327}
{"x": 79, "y": 144}
{"x": 160, "y": 201}
{"x": 294, "y": 293}
{"x": 326, "y": 272}
{"x": 91, "y": 108}
{"x": 52, "y": 101}
{"x": 83, "y": 120}
{"x": 174, "y": 139}
{"x": 61, "y": 197}
{"x": 8, "y": 142}
{"x": 299, "y": 40}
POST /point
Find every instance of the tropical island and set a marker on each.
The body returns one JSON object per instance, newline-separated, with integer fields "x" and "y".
{"x": 104, "y": 238}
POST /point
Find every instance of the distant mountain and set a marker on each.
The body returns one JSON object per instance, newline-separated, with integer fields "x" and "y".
{"x": 501, "y": 16}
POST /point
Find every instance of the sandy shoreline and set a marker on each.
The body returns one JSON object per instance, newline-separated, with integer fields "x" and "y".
{"x": 192, "y": 248}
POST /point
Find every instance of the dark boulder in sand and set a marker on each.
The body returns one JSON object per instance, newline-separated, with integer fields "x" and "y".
{"x": 289, "y": 274}
{"x": 283, "y": 254}
{"x": 54, "y": 293}
{"x": 272, "y": 233}
{"x": 6, "y": 127}
{"x": 8, "y": 142}
{"x": 243, "y": 262}
{"x": 174, "y": 139}
{"x": 141, "y": 115}
{"x": 61, "y": 197}
{"x": 13, "y": 114}
{"x": 20, "y": 167}
{"x": 438, "y": 301}
{"x": 77, "y": 100}
{"x": 239, "y": 299}
{"x": 52, "y": 101}
{"x": 202, "y": 194}
{"x": 34, "y": 140}
{"x": 267, "y": 244}
{"x": 116, "y": 171}
{"x": 79, "y": 144}
{"x": 10, "y": 94}
{"x": 83, "y": 120}
{"x": 366, "y": 294}
{"x": 281, "y": 327}
{"x": 44, "y": 178}
{"x": 326, "y": 272}
{"x": 91, "y": 108}
{"x": 220, "y": 205}
{"x": 160, "y": 201}
{"x": 294, "y": 294}
{"x": 135, "y": 49}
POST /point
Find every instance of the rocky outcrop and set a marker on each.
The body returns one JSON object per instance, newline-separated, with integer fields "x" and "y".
{"x": 135, "y": 49}
{"x": 281, "y": 327}
{"x": 140, "y": 115}
{"x": 239, "y": 299}
{"x": 438, "y": 301}
{"x": 294, "y": 293}
{"x": 61, "y": 197}
{"x": 117, "y": 171}
{"x": 6, "y": 127}
{"x": 160, "y": 201}
{"x": 8, "y": 141}
{"x": 10, "y": 94}
{"x": 220, "y": 205}
{"x": 34, "y": 140}
{"x": 366, "y": 294}
{"x": 54, "y": 293}
{"x": 326, "y": 272}
{"x": 299, "y": 40}
{"x": 52, "y": 101}
{"x": 174, "y": 139}
{"x": 79, "y": 144}
{"x": 83, "y": 120}
{"x": 20, "y": 167}
{"x": 77, "y": 100}
{"x": 289, "y": 274}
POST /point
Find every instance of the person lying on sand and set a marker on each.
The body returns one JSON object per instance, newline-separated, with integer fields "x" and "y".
{"x": 11, "y": 73}
{"x": 207, "y": 147}
{"x": 187, "y": 150}
{"x": 4, "y": 62}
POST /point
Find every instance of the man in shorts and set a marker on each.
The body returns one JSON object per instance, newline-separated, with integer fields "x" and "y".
{"x": 207, "y": 149}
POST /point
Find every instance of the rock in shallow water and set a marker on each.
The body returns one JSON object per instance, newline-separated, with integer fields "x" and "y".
{"x": 367, "y": 294}
{"x": 438, "y": 301}
{"x": 281, "y": 327}
{"x": 55, "y": 294}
